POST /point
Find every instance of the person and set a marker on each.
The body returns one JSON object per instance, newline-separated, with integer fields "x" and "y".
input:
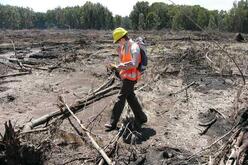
{"x": 129, "y": 59}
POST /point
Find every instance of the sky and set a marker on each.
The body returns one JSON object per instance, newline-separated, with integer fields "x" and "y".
{"x": 120, "y": 7}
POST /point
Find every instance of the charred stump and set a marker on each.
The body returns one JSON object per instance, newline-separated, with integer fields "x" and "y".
{"x": 239, "y": 37}
{"x": 12, "y": 152}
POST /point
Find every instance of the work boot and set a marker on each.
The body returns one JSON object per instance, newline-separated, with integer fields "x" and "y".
{"x": 143, "y": 120}
{"x": 109, "y": 127}
{"x": 138, "y": 123}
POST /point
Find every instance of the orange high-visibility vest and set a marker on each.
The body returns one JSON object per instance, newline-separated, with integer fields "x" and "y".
{"x": 133, "y": 73}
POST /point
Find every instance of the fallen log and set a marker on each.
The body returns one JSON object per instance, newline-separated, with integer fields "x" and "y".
{"x": 10, "y": 81}
{"x": 106, "y": 84}
{"x": 10, "y": 65}
{"x": 35, "y": 67}
{"x": 15, "y": 74}
{"x": 15, "y": 60}
{"x": 75, "y": 107}
{"x": 189, "y": 38}
{"x": 34, "y": 131}
{"x": 42, "y": 55}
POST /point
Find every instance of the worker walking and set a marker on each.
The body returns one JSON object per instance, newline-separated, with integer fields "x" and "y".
{"x": 129, "y": 58}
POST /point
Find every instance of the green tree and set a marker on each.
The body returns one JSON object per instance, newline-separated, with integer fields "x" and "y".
{"x": 181, "y": 19}
{"x": 141, "y": 21}
{"x": 95, "y": 16}
{"x": 140, "y": 10}
{"x": 221, "y": 23}
{"x": 126, "y": 23}
{"x": 117, "y": 21}
{"x": 152, "y": 20}
{"x": 212, "y": 25}
{"x": 161, "y": 11}
{"x": 238, "y": 17}
{"x": 202, "y": 16}
{"x": 156, "y": 16}
{"x": 39, "y": 20}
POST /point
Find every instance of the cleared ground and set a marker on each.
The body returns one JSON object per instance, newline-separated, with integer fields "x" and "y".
{"x": 72, "y": 64}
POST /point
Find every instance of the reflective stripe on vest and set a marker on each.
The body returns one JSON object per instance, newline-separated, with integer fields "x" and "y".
{"x": 132, "y": 74}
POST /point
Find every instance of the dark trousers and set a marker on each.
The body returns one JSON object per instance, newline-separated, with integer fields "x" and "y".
{"x": 127, "y": 93}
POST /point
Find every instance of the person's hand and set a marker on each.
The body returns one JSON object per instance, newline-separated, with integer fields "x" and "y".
{"x": 111, "y": 66}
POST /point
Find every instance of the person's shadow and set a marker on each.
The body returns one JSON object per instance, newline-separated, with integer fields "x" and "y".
{"x": 134, "y": 133}
{"x": 146, "y": 133}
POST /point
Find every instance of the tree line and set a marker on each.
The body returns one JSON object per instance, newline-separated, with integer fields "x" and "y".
{"x": 144, "y": 16}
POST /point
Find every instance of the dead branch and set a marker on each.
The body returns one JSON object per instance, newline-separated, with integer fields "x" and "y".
{"x": 236, "y": 145}
{"x": 59, "y": 66}
{"x": 98, "y": 148}
{"x": 220, "y": 155}
{"x": 96, "y": 116}
{"x": 209, "y": 146}
{"x": 182, "y": 57}
{"x": 34, "y": 131}
{"x": 98, "y": 94}
{"x": 16, "y": 61}
{"x": 13, "y": 44}
{"x": 236, "y": 101}
{"x": 9, "y": 81}
{"x": 61, "y": 99}
{"x": 213, "y": 64}
{"x": 34, "y": 67}
{"x": 189, "y": 38}
{"x": 218, "y": 112}
{"x": 15, "y": 74}
{"x": 106, "y": 84}
{"x": 181, "y": 90}
{"x": 102, "y": 87}
{"x": 239, "y": 146}
{"x": 10, "y": 65}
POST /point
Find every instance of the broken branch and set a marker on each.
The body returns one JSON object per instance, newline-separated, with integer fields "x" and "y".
{"x": 15, "y": 74}
{"x": 98, "y": 148}
{"x": 171, "y": 94}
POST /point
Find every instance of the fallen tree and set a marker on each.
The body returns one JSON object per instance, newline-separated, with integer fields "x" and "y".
{"x": 104, "y": 91}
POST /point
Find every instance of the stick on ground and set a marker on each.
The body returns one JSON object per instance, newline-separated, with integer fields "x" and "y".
{"x": 101, "y": 151}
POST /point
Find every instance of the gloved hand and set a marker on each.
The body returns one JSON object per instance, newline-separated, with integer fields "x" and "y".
{"x": 112, "y": 68}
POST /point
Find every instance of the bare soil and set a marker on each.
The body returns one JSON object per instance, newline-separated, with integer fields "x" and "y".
{"x": 75, "y": 61}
